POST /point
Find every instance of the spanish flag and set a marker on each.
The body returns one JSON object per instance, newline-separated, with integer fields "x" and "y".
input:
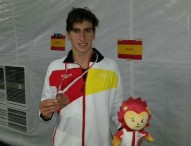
{"x": 130, "y": 49}
{"x": 58, "y": 42}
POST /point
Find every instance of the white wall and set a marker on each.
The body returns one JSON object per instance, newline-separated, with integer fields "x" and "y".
{"x": 162, "y": 78}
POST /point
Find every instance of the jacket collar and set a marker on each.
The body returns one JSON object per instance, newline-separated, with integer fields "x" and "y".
{"x": 69, "y": 58}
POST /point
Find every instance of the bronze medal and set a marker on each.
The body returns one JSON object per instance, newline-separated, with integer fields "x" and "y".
{"x": 62, "y": 99}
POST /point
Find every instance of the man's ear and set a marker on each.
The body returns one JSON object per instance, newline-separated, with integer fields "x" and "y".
{"x": 94, "y": 35}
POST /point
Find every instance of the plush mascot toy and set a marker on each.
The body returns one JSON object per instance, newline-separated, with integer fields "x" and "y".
{"x": 134, "y": 116}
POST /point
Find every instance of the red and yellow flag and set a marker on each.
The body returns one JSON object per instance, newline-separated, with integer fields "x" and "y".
{"x": 130, "y": 49}
{"x": 58, "y": 42}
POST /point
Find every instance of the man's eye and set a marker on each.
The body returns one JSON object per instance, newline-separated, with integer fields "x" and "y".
{"x": 88, "y": 30}
{"x": 76, "y": 31}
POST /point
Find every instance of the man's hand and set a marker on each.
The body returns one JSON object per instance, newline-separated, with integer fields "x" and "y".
{"x": 48, "y": 107}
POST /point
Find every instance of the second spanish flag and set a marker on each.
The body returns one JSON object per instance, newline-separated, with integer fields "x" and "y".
{"x": 130, "y": 49}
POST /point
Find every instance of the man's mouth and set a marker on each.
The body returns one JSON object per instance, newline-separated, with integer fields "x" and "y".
{"x": 82, "y": 44}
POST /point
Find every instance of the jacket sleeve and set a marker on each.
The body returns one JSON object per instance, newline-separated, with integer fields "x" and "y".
{"x": 48, "y": 92}
{"x": 117, "y": 101}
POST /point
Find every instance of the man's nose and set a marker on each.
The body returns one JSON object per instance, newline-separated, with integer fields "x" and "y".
{"x": 82, "y": 35}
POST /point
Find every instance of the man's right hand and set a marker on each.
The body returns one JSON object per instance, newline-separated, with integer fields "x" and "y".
{"x": 48, "y": 107}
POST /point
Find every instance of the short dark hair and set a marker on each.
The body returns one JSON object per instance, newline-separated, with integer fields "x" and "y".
{"x": 78, "y": 15}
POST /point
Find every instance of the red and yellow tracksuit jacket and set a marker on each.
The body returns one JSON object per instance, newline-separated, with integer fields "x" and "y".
{"x": 90, "y": 119}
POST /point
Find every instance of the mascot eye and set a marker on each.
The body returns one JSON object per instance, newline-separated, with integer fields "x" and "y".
{"x": 142, "y": 121}
{"x": 132, "y": 119}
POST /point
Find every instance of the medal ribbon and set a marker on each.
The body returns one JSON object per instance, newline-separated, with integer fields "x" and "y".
{"x": 75, "y": 80}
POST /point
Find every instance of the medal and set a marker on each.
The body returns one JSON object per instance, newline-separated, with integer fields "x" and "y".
{"x": 62, "y": 99}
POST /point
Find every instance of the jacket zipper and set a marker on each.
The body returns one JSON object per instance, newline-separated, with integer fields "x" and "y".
{"x": 84, "y": 105}
{"x": 83, "y": 112}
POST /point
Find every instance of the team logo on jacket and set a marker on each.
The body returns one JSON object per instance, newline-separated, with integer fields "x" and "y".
{"x": 65, "y": 76}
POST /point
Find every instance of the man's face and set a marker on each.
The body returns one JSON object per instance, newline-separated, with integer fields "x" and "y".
{"x": 81, "y": 37}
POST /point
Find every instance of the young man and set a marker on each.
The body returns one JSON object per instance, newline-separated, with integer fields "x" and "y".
{"x": 83, "y": 89}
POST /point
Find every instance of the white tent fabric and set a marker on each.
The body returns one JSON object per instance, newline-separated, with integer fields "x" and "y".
{"x": 162, "y": 77}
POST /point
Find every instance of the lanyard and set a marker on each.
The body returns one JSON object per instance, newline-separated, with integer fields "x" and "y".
{"x": 75, "y": 80}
